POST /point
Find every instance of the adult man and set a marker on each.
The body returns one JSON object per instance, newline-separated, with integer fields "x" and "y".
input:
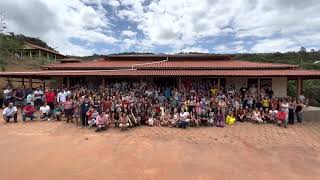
{"x": 19, "y": 97}
{"x": 38, "y": 95}
{"x": 10, "y": 112}
{"x": 243, "y": 90}
{"x": 298, "y": 112}
{"x": 62, "y": 96}
{"x": 50, "y": 98}
{"x": 30, "y": 98}
{"x": 45, "y": 111}
{"x": 28, "y": 111}
{"x": 7, "y": 96}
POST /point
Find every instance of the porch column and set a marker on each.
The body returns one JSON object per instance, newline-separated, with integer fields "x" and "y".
{"x": 259, "y": 87}
{"x": 30, "y": 82}
{"x": 39, "y": 53}
{"x": 103, "y": 83}
{"x": 22, "y": 81}
{"x": 179, "y": 83}
{"x": 44, "y": 85}
{"x": 48, "y": 56}
{"x": 219, "y": 83}
{"x": 30, "y": 54}
{"x": 299, "y": 83}
{"x": 68, "y": 83}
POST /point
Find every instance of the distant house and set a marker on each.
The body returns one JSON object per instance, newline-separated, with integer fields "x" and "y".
{"x": 35, "y": 51}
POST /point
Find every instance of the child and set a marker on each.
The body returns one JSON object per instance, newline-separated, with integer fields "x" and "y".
{"x": 211, "y": 118}
{"x": 124, "y": 124}
{"x": 230, "y": 118}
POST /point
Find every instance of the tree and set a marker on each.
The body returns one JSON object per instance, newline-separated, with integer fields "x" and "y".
{"x": 303, "y": 53}
{"x": 8, "y": 46}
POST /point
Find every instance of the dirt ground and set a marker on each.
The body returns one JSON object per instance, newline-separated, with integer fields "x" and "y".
{"x": 61, "y": 151}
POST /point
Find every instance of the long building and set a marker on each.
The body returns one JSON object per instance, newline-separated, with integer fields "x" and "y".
{"x": 174, "y": 69}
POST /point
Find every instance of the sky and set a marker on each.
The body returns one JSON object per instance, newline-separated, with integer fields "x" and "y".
{"x": 86, "y": 27}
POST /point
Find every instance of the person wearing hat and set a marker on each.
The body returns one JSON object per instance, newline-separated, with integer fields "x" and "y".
{"x": 28, "y": 111}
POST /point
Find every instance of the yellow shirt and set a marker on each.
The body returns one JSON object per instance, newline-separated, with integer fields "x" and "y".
{"x": 230, "y": 119}
{"x": 265, "y": 103}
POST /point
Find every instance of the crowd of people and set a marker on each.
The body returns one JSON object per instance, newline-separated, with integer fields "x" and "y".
{"x": 128, "y": 104}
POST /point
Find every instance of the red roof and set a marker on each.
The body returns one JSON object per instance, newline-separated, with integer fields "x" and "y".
{"x": 171, "y": 64}
{"x": 161, "y": 65}
{"x": 212, "y": 73}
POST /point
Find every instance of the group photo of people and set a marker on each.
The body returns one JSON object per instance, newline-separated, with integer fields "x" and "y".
{"x": 127, "y": 104}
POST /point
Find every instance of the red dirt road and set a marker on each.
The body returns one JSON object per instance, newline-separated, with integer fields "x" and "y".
{"x": 56, "y": 150}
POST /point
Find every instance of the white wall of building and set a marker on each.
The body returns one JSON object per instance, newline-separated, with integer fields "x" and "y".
{"x": 279, "y": 86}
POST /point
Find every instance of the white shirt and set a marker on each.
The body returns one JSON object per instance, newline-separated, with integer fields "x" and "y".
{"x": 45, "y": 109}
{"x": 7, "y": 93}
{"x": 62, "y": 97}
{"x": 30, "y": 99}
{"x": 9, "y": 111}
{"x": 38, "y": 94}
{"x": 184, "y": 115}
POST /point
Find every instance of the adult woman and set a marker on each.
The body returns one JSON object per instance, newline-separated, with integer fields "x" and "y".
{"x": 222, "y": 105}
{"x": 194, "y": 118}
{"x": 220, "y": 118}
{"x": 285, "y": 107}
{"x": 256, "y": 117}
{"x": 68, "y": 109}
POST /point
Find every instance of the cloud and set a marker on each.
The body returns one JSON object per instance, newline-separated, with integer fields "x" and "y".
{"x": 128, "y": 33}
{"x": 219, "y": 26}
{"x": 275, "y": 45}
{"x": 193, "y": 49}
{"x": 57, "y": 21}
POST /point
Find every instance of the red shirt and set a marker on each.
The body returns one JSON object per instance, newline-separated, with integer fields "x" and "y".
{"x": 50, "y": 96}
{"x": 107, "y": 105}
{"x": 281, "y": 116}
{"x": 29, "y": 110}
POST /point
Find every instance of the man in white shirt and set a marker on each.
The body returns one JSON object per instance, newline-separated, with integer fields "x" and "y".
{"x": 38, "y": 95}
{"x": 10, "y": 112}
{"x": 45, "y": 110}
{"x": 62, "y": 96}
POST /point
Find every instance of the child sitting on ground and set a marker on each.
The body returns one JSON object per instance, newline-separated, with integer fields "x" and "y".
{"x": 94, "y": 115}
{"x": 124, "y": 124}
{"x": 230, "y": 118}
{"x": 102, "y": 122}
